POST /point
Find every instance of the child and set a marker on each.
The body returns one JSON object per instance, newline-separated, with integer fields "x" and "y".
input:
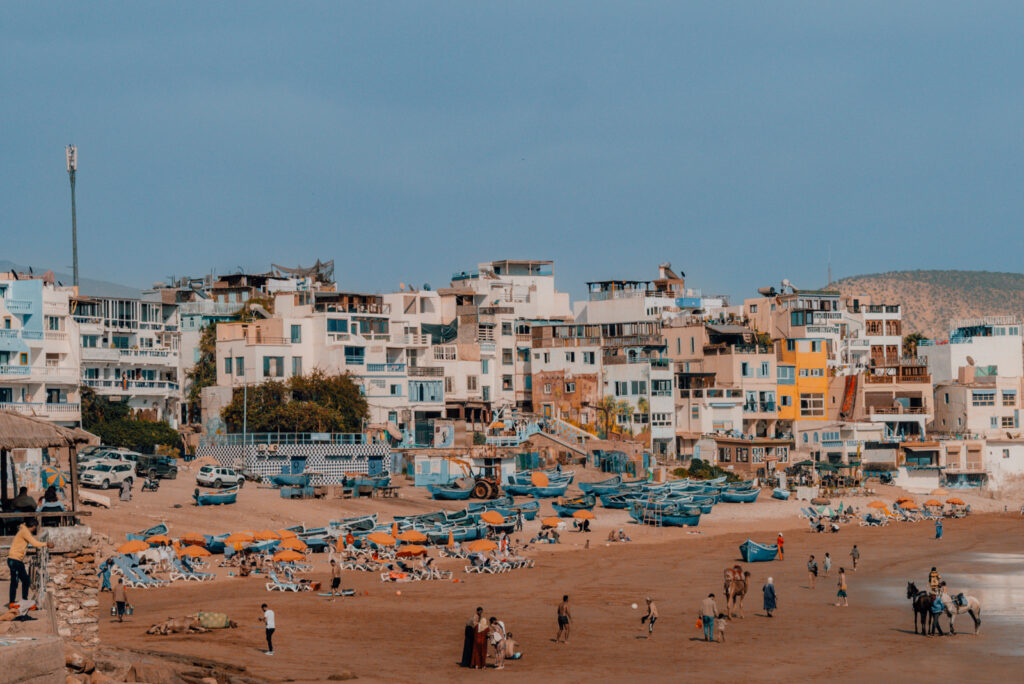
{"x": 827, "y": 564}
{"x": 841, "y": 597}
{"x": 652, "y": 615}
{"x": 723, "y": 621}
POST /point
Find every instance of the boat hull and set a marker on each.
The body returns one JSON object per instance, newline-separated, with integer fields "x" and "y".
{"x": 752, "y": 552}
{"x": 781, "y": 494}
{"x": 733, "y": 496}
{"x": 448, "y": 493}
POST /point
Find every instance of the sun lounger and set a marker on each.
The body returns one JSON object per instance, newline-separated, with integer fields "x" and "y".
{"x": 277, "y": 585}
{"x": 180, "y": 572}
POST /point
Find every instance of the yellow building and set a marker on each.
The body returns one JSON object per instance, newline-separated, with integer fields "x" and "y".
{"x": 802, "y": 379}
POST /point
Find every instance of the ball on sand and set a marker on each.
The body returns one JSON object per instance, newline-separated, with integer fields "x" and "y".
{"x": 635, "y": 606}
{"x": 398, "y": 593}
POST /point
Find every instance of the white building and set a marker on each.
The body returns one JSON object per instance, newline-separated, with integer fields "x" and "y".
{"x": 991, "y": 344}
{"x": 1004, "y": 462}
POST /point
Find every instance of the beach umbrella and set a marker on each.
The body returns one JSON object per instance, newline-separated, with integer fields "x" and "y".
{"x": 539, "y": 479}
{"x": 551, "y": 522}
{"x": 877, "y": 504}
{"x": 286, "y": 534}
{"x": 412, "y": 550}
{"x": 909, "y": 506}
{"x": 451, "y": 539}
{"x": 955, "y": 501}
{"x": 492, "y": 518}
{"x": 288, "y": 556}
{"x": 52, "y": 477}
{"x": 498, "y": 425}
{"x": 394, "y": 529}
{"x": 134, "y": 546}
{"x": 412, "y": 536}
{"x": 932, "y": 502}
{"x": 239, "y": 538}
{"x": 293, "y": 544}
{"x": 481, "y": 545}
{"x": 940, "y": 492}
{"x": 381, "y": 539}
{"x": 583, "y": 515}
{"x": 158, "y": 539}
{"x": 193, "y": 539}
{"x": 194, "y": 552}
{"x": 904, "y": 499}
{"x": 820, "y": 502}
{"x": 265, "y": 535}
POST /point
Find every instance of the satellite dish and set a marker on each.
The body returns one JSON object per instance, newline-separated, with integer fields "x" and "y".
{"x": 970, "y": 360}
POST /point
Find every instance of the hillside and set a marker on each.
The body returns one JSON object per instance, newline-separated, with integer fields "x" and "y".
{"x": 931, "y": 298}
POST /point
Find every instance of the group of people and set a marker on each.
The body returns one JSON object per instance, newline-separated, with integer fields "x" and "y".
{"x": 620, "y": 536}
{"x": 25, "y": 503}
{"x": 842, "y": 595}
{"x": 483, "y": 634}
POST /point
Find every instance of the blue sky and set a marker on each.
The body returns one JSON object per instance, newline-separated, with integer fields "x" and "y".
{"x": 738, "y": 140}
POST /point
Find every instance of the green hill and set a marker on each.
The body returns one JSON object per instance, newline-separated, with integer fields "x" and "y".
{"x": 931, "y": 299}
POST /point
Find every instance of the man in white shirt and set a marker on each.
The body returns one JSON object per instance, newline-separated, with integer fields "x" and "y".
{"x": 268, "y": 621}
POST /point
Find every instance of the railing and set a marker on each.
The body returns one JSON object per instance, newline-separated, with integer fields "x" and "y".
{"x": 208, "y": 308}
{"x": 57, "y": 335}
{"x": 100, "y": 354}
{"x": 385, "y": 368}
{"x": 486, "y": 346}
{"x": 263, "y": 339}
{"x": 7, "y": 369}
{"x": 31, "y": 334}
{"x": 18, "y": 305}
{"x": 336, "y": 337}
{"x": 900, "y": 410}
{"x": 156, "y": 353}
{"x": 425, "y": 372}
{"x": 29, "y": 408}
{"x": 413, "y": 340}
{"x": 896, "y": 379}
{"x": 55, "y": 309}
{"x": 6, "y": 334}
{"x": 822, "y": 330}
{"x": 273, "y": 438}
{"x": 131, "y": 384}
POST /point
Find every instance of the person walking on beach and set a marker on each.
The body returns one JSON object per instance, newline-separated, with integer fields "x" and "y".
{"x": 708, "y": 611}
{"x": 652, "y": 616}
{"x": 779, "y": 542}
{"x": 827, "y": 564}
{"x": 335, "y": 578}
{"x": 855, "y": 555}
{"x": 479, "y": 658}
{"x": 120, "y": 599}
{"x": 468, "y": 634}
{"x": 769, "y": 597}
{"x": 16, "y": 558}
{"x": 812, "y": 572}
{"x": 269, "y": 624}
{"x": 564, "y": 620}
{"x": 496, "y": 635}
{"x": 938, "y": 528}
{"x": 841, "y": 596}
{"x": 519, "y": 521}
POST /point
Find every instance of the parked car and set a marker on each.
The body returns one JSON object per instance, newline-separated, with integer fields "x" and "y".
{"x": 155, "y": 466}
{"x": 109, "y": 454}
{"x": 215, "y": 476}
{"x": 107, "y": 474}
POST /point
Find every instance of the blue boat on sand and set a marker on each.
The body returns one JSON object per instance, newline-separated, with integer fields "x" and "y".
{"x": 446, "y": 493}
{"x": 752, "y": 552}
{"x": 146, "y": 534}
{"x": 566, "y": 507}
{"x": 225, "y": 496}
{"x": 667, "y": 515}
{"x": 782, "y": 494}
{"x": 740, "y": 495}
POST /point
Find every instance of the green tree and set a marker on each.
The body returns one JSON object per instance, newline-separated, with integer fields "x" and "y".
{"x": 910, "y": 343}
{"x": 112, "y": 423}
{"x": 204, "y": 373}
{"x": 313, "y": 403}
{"x": 97, "y": 410}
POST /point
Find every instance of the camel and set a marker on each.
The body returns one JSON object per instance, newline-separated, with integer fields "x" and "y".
{"x": 735, "y": 584}
{"x": 921, "y": 602}
{"x": 962, "y": 604}
{"x": 182, "y": 625}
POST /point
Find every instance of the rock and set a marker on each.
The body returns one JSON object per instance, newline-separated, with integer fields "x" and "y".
{"x": 84, "y": 559}
{"x": 78, "y": 661}
{"x": 152, "y": 672}
{"x": 98, "y": 677}
{"x": 90, "y": 603}
{"x": 73, "y": 679}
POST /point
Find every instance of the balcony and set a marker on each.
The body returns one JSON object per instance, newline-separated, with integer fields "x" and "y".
{"x": 822, "y": 330}
{"x": 425, "y": 372}
{"x": 7, "y": 369}
{"x": 137, "y": 386}
{"x": 338, "y": 337}
{"x": 759, "y": 407}
{"x": 63, "y": 411}
{"x": 64, "y": 374}
{"x": 901, "y": 411}
{"x": 385, "y": 368}
{"x": 18, "y": 305}
{"x": 56, "y": 336}
{"x": 100, "y": 354}
{"x": 413, "y": 340}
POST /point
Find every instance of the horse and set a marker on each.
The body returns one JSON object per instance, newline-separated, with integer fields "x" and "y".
{"x": 736, "y": 584}
{"x": 921, "y": 602}
{"x": 962, "y": 604}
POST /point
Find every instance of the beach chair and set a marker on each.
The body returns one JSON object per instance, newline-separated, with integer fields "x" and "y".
{"x": 180, "y": 572}
{"x": 396, "y": 576}
{"x": 277, "y": 585}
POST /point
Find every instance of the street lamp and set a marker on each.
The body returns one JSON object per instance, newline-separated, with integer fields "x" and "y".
{"x": 71, "y": 153}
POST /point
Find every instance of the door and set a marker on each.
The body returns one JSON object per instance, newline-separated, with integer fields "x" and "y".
{"x": 298, "y": 465}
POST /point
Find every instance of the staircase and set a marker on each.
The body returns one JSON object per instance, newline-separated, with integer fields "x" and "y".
{"x": 563, "y": 434}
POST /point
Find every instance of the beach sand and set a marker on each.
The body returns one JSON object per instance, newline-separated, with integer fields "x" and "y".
{"x": 381, "y": 636}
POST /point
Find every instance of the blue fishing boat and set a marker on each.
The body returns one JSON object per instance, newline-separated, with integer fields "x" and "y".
{"x": 667, "y": 515}
{"x": 146, "y": 534}
{"x": 446, "y": 493}
{"x": 375, "y": 481}
{"x": 566, "y": 507}
{"x": 290, "y": 480}
{"x": 603, "y": 486}
{"x": 548, "y": 492}
{"x": 752, "y": 552}
{"x": 518, "y": 489}
{"x": 618, "y": 501}
{"x": 740, "y": 496}
{"x": 225, "y": 496}
{"x": 484, "y": 505}
{"x": 362, "y": 522}
{"x": 529, "y": 509}
{"x": 782, "y": 494}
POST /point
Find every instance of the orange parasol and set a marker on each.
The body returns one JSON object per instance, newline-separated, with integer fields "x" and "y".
{"x": 956, "y": 501}
{"x": 451, "y": 539}
{"x": 909, "y": 506}
{"x": 158, "y": 539}
{"x": 411, "y": 536}
{"x": 381, "y": 539}
{"x": 239, "y": 538}
{"x": 194, "y": 552}
{"x": 932, "y": 502}
{"x": 134, "y": 546}
{"x": 286, "y": 534}
{"x": 904, "y": 499}
{"x": 293, "y": 544}
{"x": 193, "y": 538}
{"x": 583, "y": 515}
{"x": 877, "y": 504}
{"x": 492, "y": 517}
{"x": 539, "y": 479}
{"x": 481, "y": 545}
{"x": 288, "y": 556}
{"x": 551, "y": 522}
{"x": 265, "y": 535}
{"x": 412, "y": 550}
{"x": 394, "y": 529}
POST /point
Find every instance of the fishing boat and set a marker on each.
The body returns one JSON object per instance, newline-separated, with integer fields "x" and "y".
{"x": 748, "y": 484}
{"x": 740, "y": 496}
{"x": 446, "y": 493}
{"x": 603, "y": 486}
{"x": 290, "y": 480}
{"x": 529, "y": 509}
{"x": 484, "y": 505}
{"x": 362, "y": 522}
{"x": 665, "y": 515}
{"x": 519, "y": 489}
{"x": 375, "y": 481}
{"x": 146, "y": 534}
{"x": 752, "y": 552}
{"x": 782, "y": 494}
{"x": 548, "y": 492}
{"x": 225, "y": 496}
{"x": 618, "y": 501}
{"x": 565, "y": 508}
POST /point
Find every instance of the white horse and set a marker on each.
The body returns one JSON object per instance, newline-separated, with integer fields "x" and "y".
{"x": 969, "y": 605}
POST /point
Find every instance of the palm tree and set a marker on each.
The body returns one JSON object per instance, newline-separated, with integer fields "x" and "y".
{"x": 910, "y": 343}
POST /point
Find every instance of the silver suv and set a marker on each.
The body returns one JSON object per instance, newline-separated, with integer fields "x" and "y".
{"x": 215, "y": 476}
{"x": 104, "y": 474}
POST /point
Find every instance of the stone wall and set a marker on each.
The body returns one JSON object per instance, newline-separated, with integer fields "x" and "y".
{"x": 73, "y": 589}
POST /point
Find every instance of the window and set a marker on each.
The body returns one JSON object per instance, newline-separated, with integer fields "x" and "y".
{"x": 296, "y": 365}
{"x": 812, "y": 405}
{"x": 724, "y": 455}
{"x": 355, "y": 356}
{"x": 983, "y": 398}
{"x": 661, "y": 420}
{"x": 745, "y": 370}
{"x": 484, "y": 365}
{"x": 1006, "y": 453}
{"x": 570, "y": 387}
{"x": 7, "y": 322}
{"x": 790, "y": 345}
{"x": 695, "y": 412}
{"x": 396, "y": 390}
{"x": 296, "y": 334}
{"x": 444, "y": 352}
{"x": 692, "y": 345}
{"x": 782, "y": 454}
{"x": 588, "y": 358}
{"x": 90, "y": 341}
{"x": 757, "y": 454}
{"x": 765, "y": 370}
{"x": 815, "y": 346}
{"x": 52, "y": 323}
{"x": 506, "y": 357}
{"x": 227, "y": 365}
{"x": 570, "y": 357}
{"x": 679, "y": 345}
{"x": 449, "y": 384}
{"x": 661, "y": 388}
{"x": 92, "y": 373}
{"x": 753, "y": 308}
{"x": 471, "y": 383}
{"x": 993, "y": 422}
{"x": 506, "y": 383}
{"x": 1007, "y": 422}
{"x": 337, "y": 325}
{"x": 547, "y": 388}
{"x": 946, "y": 397}
{"x": 621, "y": 388}
{"x": 239, "y": 366}
{"x": 1009, "y": 398}
{"x": 487, "y": 392}
{"x": 805, "y": 438}
{"x": 506, "y": 328}
{"x": 797, "y": 318}
{"x": 742, "y": 454}
{"x": 547, "y": 357}
{"x": 273, "y": 366}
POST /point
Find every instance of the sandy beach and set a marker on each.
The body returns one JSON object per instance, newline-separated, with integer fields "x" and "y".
{"x": 380, "y": 635}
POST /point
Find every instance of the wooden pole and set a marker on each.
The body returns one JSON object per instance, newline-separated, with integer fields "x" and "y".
{"x": 3, "y": 479}
{"x": 73, "y": 464}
